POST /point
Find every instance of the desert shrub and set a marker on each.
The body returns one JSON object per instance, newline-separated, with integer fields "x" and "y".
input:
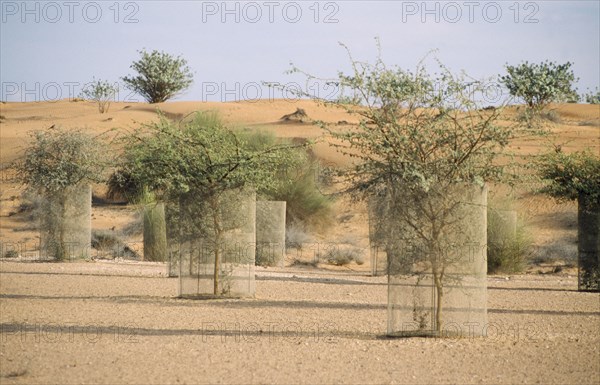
{"x": 305, "y": 202}
{"x": 507, "y": 254}
{"x": 569, "y": 175}
{"x": 296, "y": 236}
{"x": 552, "y": 116}
{"x": 590, "y": 123}
{"x": 122, "y": 185}
{"x": 540, "y": 84}
{"x": 100, "y": 91}
{"x": 104, "y": 239}
{"x": 263, "y": 255}
{"x": 160, "y": 76}
{"x": 297, "y": 262}
{"x": 577, "y": 176}
{"x": 57, "y": 165}
{"x": 294, "y": 182}
{"x": 11, "y": 254}
{"x": 559, "y": 250}
{"x": 31, "y": 203}
{"x": 135, "y": 227}
{"x": 591, "y": 97}
{"x": 533, "y": 117}
{"x": 109, "y": 244}
{"x": 59, "y": 158}
{"x": 342, "y": 254}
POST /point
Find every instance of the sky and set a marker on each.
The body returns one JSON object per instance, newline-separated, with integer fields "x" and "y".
{"x": 49, "y": 50}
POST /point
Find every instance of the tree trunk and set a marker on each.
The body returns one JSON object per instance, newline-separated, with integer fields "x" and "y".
{"x": 218, "y": 230}
{"x": 439, "y": 291}
{"x": 61, "y": 252}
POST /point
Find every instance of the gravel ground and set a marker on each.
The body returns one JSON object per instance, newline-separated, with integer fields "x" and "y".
{"x": 106, "y": 322}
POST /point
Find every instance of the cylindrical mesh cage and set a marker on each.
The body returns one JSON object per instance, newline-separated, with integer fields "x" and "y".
{"x": 155, "y": 232}
{"x": 378, "y": 210}
{"x": 213, "y": 240}
{"x": 502, "y": 227}
{"x": 270, "y": 233}
{"x": 65, "y": 223}
{"x": 437, "y": 262}
{"x": 588, "y": 218}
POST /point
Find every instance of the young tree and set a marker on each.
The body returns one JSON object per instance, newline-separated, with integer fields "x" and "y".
{"x": 421, "y": 140}
{"x": 160, "y": 76}
{"x": 576, "y": 176}
{"x": 56, "y": 164}
{"x": 100, "y": 91}
{"x": 540, "y": 84}
{"x": 196, "y": 164}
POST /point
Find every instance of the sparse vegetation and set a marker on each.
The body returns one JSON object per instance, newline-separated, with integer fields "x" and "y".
{"x": 591, "y": 97}
{"x": 195, "y": 166}
{"x": 577, "y": 176}
{"x": 160, "y": 76}
{"x": 507, "y": 253}
{"x": 110, "y": 245}
{"x": 11, "y": 254}
{"x": 57, "y": 163}
{"x": 296, "y": 236}
{"x": 294, "y": 182}
{"x": 102, "y": 92}
{"x": 568, "y": 175}
{"x": 305, "y": 202}
{"x": 342, "y": 254}
{"x": 590, "y": 123}
{"x": 420, "y": 136}
{"x": 58, "y": 158}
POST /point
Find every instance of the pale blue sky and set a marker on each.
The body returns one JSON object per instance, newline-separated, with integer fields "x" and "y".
{"x": 50, "y": 49}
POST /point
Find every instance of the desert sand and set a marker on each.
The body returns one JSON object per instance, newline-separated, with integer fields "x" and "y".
{"x": 118, "y": 321}
{"x": 121, "y": 323}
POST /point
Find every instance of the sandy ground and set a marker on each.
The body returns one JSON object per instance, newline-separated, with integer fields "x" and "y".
{"x": 106, "y": 322}
{"x": 120, "y": 322}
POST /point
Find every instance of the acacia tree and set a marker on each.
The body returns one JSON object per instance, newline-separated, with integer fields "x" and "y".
{"x": 160, "y": 76}
{"x": 56, "y": 161}
{"x": 196, "y": 164}
{"x": 420, "y": 137}
{"x": 571, "y": 177}
{"x": 541, "y": 84}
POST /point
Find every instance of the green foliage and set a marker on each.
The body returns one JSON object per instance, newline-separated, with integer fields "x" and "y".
{"x": 59, "y": 158}
{"x": 541, "y": 84}
{"x": 568, "y": 175}
{"x": 294, "y": 182}
{"x": 109, "y": 244}
{"x": 305, "y": 202}
{"x": 290, "y": 179}
{"x": 11, "y": 254}
{"x": 592, "y": 98}
{"x": 160, "y": 76}
{"x": 201, "y": 155}
{"x": 100, "y": 91}
{"x": 205, "y": 172}
{"x": 508, "y": 253}
{"x": 122, "y": 185}
{"x": 421, "y": 135}
{"x": 420, "y": 128}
